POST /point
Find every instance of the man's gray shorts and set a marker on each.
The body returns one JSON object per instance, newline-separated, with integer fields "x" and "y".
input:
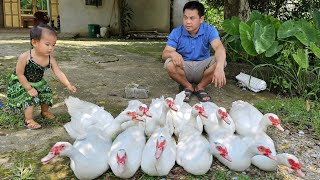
{"x": 194, "y": 69}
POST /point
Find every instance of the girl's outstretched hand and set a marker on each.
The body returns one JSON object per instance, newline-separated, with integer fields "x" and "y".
{"x": 32, "y": 92}
{"x": 72, "y": 88}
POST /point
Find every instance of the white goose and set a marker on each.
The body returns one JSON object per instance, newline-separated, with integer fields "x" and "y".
{"x": 193, "y": 149}
{"x": 241, "y": 153}
{"x": 187, "y": 115}
{"x": 158, "y": 113}
{"x": 159, "y": 109}
{"x": 249, "y": 120}
{"x": 88, "y": 156}
{"x": 159, "y": 154}
{"x": 139, "y": 107}
{"x": 126, "y": 151}
{"x": 267, "y": 164}
{"x": 83, "y": 115}
{"x": 218, "y": 124}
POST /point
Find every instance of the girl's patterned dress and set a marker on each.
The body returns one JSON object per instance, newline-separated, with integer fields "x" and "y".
{"x": 19, "y": 99}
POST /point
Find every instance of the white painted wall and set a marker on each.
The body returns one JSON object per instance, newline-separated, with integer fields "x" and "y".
{"x": 75, "y": 15}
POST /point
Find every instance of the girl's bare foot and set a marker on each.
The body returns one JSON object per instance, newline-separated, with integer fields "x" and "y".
{"x": 47, "y": 115}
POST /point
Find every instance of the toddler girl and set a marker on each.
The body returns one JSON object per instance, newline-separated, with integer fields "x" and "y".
{"x": 27, "y": 88}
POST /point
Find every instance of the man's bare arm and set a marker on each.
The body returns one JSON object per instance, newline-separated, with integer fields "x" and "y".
{"x": 170, "y": 52}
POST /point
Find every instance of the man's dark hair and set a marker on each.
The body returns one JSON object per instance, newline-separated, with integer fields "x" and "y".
{"x": 36, "y": 31}
{"x": 192, "y": 5}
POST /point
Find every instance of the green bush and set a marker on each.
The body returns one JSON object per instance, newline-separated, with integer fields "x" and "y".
{"x": 289, "y": 50}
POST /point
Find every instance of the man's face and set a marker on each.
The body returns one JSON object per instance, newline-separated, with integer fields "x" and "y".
{"x": 192, "y": 20}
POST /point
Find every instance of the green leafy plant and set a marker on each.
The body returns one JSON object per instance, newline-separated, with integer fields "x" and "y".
{"x": 126, "y": 14}
{"x": 290, "y": 50}
{"x": 21, "y": 171}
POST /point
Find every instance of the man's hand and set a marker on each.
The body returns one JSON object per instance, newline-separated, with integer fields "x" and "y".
{"x": 219, "y": 78}
{"x": 177, "y": 59}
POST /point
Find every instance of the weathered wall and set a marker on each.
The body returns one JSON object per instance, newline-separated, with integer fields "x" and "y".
{"x": 1, "y": 14}
{"x": 177, "y": 13}
{"x": 75, "y": 16}
{"x": 150, "y": 15}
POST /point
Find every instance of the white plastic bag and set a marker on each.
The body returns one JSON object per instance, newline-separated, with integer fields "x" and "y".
{"x": 254, "y": 85}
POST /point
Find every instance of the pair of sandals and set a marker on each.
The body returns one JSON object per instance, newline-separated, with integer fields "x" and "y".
{"x": 201, "y": 94}
{"x": 31, "y": 124}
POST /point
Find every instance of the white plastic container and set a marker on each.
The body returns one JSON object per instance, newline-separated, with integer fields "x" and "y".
{"x": 103, "y": 31}
{"x": 253, "y": 83}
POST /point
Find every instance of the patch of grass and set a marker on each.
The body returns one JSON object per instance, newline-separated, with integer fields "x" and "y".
{"x": 11, "y": 120}
{"x": 148, "y": 48}
{"x": 294, "y": 111}
{"x": 23, "y": 171}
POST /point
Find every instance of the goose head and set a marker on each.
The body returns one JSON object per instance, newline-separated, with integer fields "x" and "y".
{"x": 271, "y": 119}
{"x": 198, "y": 109}
{"x": 143, "y": 110}
{"x": 223, "y": 115}
{"x": 263, "y": 150}
{"x": 59, "y": 149}
{"x": 132, "y": 115}
{"x": 170, "y": 103}
{"x": 121, "y": 160}
{"x": 291, "y": 162}
{"x": 221, "y": 150}
{"x": 161, "y": 143}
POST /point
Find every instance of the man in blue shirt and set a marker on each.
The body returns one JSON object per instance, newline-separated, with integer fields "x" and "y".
{"x": 187, "y": 54}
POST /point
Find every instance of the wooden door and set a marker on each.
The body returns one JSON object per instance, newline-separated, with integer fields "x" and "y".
{"x": 54, "y": 11}
{"x": 11, "y": 13}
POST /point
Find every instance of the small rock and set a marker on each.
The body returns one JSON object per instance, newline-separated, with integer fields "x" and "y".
{"x": 315, "y": 155}
{"x": 286, "y": 132}
{"x": 3, "y": 134}
{"x": 301, "y": 133}
{"x": 136, "y": 91}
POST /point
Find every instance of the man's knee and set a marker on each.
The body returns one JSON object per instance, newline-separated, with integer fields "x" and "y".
{"x": 170, "y": 67}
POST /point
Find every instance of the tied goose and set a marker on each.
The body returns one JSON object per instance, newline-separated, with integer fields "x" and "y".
{"x": 218, "y": 124}
{"x": 88, "y": 156}
{"x": 139, "y": 107}
{"x": 126, "y": 151}
{"x": 249, "y": 120}
{"x": 188, "y": 115}
{"x": 158, "y": 110}
{"x": 193, "y": 149}
{"x": 115, "y": 127}
{"x": 285, "y": 159}
{"x": 83, "y": 115}
{"x": 159, "y": 154}
{"x": 241, "y": 154}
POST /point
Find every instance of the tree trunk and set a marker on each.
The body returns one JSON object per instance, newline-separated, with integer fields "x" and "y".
{"x": 239, "y": 8}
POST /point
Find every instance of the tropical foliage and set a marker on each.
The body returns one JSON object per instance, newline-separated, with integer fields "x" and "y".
{"x": 290, "y": 50}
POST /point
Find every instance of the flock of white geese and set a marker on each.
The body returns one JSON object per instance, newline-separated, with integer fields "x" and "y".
{"x": 169, "y": 131}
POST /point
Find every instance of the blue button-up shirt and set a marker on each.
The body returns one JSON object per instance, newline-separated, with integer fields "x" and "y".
{"x": 195, "y": 48}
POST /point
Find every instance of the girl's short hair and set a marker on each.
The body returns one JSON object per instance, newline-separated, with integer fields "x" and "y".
{"x": 36, "y": 31}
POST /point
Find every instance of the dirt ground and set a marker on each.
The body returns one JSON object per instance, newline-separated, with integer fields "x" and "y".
{"x": 101, "y": 73}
